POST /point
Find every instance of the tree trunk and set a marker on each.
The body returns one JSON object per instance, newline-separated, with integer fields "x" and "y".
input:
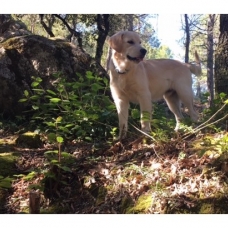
{"x": 210, "y": 53}
{"x": 221, "y": 57}
{"x": 33, "y": 19}
{"x": 103, "y": 29}
{"x": 50, "y": 20}
{"x": 109, "y": 54}
{"x": 72, "y": 31}
{"x": 130, "y": 20}
{"x": 187, "y": 41}
{"x": 47, "y": 29}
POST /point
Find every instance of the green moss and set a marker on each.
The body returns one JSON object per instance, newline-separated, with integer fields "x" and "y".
{"x": 10, "y": 43}
{"x": 142, "y": 205}
{"x": 216, "y": 204}
{"x": 206, "y": 208}
{"x": 3, "y": 195}
{"x": 126, "y": 204}
{"x": 7, "y": 169}
{"x": 7, "y": 163}
{"x": 56, "y": 208}
{"x": 101, "y": 195}
{"x": 4, "y": 144}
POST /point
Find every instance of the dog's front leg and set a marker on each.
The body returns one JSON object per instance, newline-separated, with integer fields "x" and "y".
{"x": 146, "y": 109}
{"x": 122, "y": 107}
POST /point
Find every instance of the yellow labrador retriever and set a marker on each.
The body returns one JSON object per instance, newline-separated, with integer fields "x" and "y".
{"x": 133, "y": 79}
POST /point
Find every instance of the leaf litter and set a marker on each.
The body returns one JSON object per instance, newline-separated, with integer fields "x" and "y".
{"x": 127, "y": 177}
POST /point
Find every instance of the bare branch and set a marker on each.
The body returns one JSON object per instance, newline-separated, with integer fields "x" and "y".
{"x": 47, "y": 29}
{"x": 72, "y": 31}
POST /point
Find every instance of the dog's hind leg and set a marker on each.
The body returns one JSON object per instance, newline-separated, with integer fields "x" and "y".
{"x": 174, "y": 104}
{"x": 186, "y": 96}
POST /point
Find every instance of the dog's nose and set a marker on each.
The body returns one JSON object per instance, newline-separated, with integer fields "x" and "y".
{"x": 143, "y": 51}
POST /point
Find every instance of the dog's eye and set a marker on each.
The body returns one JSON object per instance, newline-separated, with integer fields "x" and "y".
{"x": 130, "y": 42}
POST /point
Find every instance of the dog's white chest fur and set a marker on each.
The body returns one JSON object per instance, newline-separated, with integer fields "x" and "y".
{"x": 124, "y": 88}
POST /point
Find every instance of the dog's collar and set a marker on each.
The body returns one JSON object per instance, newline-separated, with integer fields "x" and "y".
{"x": 119, "y": 72}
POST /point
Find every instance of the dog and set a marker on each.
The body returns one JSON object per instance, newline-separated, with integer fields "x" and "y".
{"x": 133, "y": 79}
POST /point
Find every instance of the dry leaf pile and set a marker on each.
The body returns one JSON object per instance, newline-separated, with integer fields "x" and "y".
{"x": 127, "y": 177}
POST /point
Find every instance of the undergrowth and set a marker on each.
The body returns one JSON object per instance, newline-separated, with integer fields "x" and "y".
{"x": 165, "y": 167}
{"x": 79, "y": 108}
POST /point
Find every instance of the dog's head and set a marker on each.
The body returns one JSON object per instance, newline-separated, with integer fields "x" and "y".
{"x": 127, "y": 44}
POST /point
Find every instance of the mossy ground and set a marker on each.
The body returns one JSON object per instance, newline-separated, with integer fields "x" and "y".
{"x": 7, "y": 170}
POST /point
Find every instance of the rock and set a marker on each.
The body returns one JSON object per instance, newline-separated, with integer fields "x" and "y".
{"x": 24, "y": 56}
{"x": 11, "y": 28}
{"x": 30, "y": 140}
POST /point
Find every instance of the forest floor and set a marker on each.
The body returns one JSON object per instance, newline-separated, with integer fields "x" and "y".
{"x": 133, "y": 176}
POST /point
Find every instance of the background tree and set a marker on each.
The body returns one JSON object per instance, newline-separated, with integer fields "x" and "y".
{"x": 89, "y": 31}
{"x": 201, "y": 32}
{"x": 210, "y": 57}
{"x": 71, "y": 29}
{"x": 47, "y": 28}
{"x": 190, "y": 24}
{"x": 221, "y": 57}
{"x": 103, "y": 30}
{"x": 187, "y": 38}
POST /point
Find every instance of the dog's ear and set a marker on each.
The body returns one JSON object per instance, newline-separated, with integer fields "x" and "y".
{"x": 115, "y": 41}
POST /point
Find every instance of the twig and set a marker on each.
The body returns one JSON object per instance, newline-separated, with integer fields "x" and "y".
{"x": 156, "y": 152}
{"x": 144, "y": 133}
{"x": 204, "y": 125}
{"x": 197, "y": 130}
{"x": 211, "y": 117}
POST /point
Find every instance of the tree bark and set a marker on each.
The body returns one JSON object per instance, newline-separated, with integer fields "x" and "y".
{"x": 210, "y": 53}
{"x": 130, "y": 20}
{"x": 187, "y": 41}
{"x": 103, "y": 29}
{"x": 109, "y": 54}
{"x": 221, "y": 57}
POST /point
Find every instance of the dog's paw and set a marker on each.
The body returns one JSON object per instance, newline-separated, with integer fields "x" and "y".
{"x": 121, "y": 136}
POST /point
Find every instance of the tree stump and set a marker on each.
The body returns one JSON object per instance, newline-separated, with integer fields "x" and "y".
{"x": 34, "y": 202}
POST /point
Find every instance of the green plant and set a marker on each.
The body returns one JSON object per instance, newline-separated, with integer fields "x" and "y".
{"x": 218, "y": 102}
{"x": 5, "y": 182}
{"x": 78, "y": 108}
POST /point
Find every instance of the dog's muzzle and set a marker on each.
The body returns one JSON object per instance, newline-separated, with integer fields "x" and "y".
{"x": 140, "y": 57}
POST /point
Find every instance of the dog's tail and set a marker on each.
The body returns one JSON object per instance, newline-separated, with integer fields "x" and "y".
{"x": 195, "y": 67}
